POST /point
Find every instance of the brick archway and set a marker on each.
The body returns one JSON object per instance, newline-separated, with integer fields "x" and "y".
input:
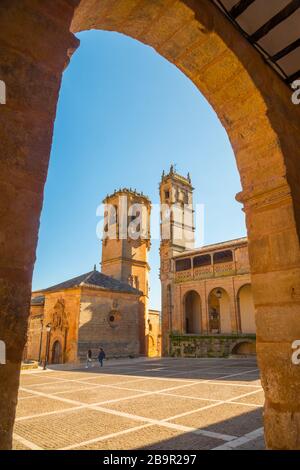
{"x": 264, "y": 129}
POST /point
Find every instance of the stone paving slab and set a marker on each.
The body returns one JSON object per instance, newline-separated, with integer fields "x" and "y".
{"x": 198, "y": 375}
{"x": 213, "y": 392}
{"x": 19, "y": 446}
{"x": 256, "y": 444}
{"x": 57, "y": 431}
{"x": 98, "y": 394}
{"x": 35, "y": 379}
{"x": 61, "y": 386}
{"x": 155, "y": 385}
{"x": 65, "y": 408}
{"x": 38, "y": 405}
{"x": 157, "y": 407}
{"x": 23, "y": 394}
{"x": 155, "y": 438}
{"x": 70, "y": 375}
{"x": 252, "y": 379}
{"x": 227, "y": 418}
{"x": 256, "y": 399}
{"x": 109, "y": 379}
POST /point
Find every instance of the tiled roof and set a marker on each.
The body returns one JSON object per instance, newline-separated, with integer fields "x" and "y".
{"x": 95, "y": 279}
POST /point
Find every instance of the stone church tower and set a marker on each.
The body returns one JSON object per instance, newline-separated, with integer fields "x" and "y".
{"x": 177, "y": 235}
{"x": 125, "y": 246}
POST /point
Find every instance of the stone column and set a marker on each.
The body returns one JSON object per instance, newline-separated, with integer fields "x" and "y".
{"x": 275, "y": 266}
{"x": 35, "y": 45}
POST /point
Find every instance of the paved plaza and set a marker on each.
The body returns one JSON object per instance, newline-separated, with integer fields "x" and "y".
{"x": 158, "y": 404}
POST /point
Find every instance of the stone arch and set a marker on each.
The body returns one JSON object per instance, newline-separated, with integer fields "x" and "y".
{"x": 256, "y": 110}
{"x": 192, "y": 312}
{"x": 152, "y": 346}
{"x": 244, "y": 348}
{"x": 246, "y": 309}
{"x": 56, "y": 352}
{"x": 219, "y": 311}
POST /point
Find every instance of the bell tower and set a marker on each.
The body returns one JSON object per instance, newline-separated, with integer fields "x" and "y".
{"x": 125, "y": 246}
{"x": 177, "y": 235}
{"x": 177, "y": 213}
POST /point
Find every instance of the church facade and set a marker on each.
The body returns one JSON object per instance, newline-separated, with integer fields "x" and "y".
{"x": 85, "y": 312}
{"x": 108, "y": 309}
{"x": 207, "y": 303}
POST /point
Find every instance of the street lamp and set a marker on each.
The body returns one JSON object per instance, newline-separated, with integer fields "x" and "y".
{"x": 41, "y": 341}
{"x": 219, "y": 294}
{"x": 48, "y": 330}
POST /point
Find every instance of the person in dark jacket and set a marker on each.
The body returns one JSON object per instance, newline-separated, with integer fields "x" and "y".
{"x": 89, "y": 359}
{"x": 101, "y": 356}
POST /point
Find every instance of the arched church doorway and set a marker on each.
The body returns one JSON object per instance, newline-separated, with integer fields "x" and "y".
{"x": 56, "y": 354}
{"x": 219, "y": 312}
{"x": 152, "y": 347}
{"x": 192, "y": 313}
{"x": 244, "y": 348}
{"x": 246, "y": 309}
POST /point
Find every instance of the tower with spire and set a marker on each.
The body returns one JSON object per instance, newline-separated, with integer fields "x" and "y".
{"x": 177, "y": 213}
{"x": 177, "y": 236}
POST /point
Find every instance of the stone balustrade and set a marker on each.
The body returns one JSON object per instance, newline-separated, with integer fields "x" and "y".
{"x": 211, "y": 271}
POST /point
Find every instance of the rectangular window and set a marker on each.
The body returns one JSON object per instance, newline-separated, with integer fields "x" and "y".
{"x": 183, "y": 264}
{"x": 203, "y": 260}
{"x": 223, "y": 257}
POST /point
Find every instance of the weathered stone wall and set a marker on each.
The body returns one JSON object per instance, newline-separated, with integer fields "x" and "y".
{"x": 208, "y": 346}
{"x": 120, "y": 337}
{"x": 154, "y": 335}
{"x": 34, "y": 335}
{"x": 263, "y": 126}
{"x": 62, "y": 312}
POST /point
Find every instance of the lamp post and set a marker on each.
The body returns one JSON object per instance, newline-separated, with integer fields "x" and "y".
{"x": 219, "y": 294}
{"x": 48, "y": 330}
{"x": 41, "y": 341}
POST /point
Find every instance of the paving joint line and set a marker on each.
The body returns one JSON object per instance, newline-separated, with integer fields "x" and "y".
{"x": 164, "y": 423}
{"x": 251, "y": 436}
{"x": 96, "y": 407}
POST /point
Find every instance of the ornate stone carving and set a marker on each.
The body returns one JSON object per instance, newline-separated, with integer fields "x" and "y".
{"x": 59, "y": 316}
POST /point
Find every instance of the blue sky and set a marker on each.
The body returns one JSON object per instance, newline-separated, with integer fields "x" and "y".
{"x": 124, "y": 115}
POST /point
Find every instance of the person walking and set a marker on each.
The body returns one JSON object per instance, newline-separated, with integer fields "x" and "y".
{"x": 88, "y": 359}
{"x": 101, "y": 356}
